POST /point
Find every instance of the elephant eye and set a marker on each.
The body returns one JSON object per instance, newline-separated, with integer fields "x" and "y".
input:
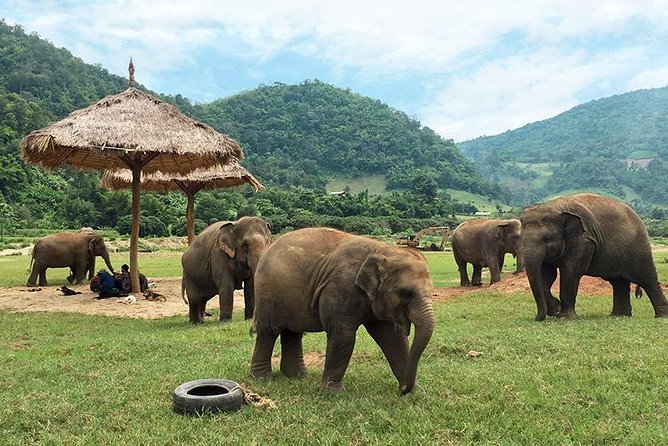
{"x": 405, "y": 294}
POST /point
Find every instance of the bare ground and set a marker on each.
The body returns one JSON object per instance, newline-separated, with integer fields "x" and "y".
{"x": 19, "y": 299}
{"x": 51, "y": 299}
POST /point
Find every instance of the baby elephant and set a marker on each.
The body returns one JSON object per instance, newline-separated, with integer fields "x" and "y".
{"x": 483, "y": 242}
{"x": 320, "y": 279}
{"x": 221, "y": 259}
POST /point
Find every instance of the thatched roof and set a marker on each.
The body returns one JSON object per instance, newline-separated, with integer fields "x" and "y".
{"x": 227, "y": 175}
{"x": 130, "y": 124}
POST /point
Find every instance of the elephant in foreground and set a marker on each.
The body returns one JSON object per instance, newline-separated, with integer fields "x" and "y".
{"x": 321, "y": 279}
{"x": 221, "y": 259}
{"x": 76, "y": 250}
{"x": 593, "y": 235}
{"x": 484, "y": 243}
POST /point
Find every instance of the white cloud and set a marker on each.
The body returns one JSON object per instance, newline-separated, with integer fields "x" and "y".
{"x": 653, "y": 78}
{"x": 511, "y": 92}
{"x": 492, "y": 65}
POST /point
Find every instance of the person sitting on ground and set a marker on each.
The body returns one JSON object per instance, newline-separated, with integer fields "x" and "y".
{"x": 124, "y": 281}
{"x": 107, "y": 285}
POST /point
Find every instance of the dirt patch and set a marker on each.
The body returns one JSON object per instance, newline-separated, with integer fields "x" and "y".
{"x": 51, "y": 299}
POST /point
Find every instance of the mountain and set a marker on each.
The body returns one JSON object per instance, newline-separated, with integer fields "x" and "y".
{"x": 617, "y": 145}
{"x": 296, "y": 137}
{"x": 309, "y": 133}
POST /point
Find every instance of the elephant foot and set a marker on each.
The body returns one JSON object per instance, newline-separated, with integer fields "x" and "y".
{"x": 332, "y": 386}
{"x": 261, "y": 372}
{"x": 567, "y": 314}
{"x": 293, "y": 371}
{"x": 477, "y": 284}
{"x": 661, "y": 312}
{"x": 70, "y": 279}
{"x": 621, "y": 312}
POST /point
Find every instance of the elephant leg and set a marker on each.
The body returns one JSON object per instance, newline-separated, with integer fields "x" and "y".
{"x": 261, "y": 360}
{"x": 292, "y": 354}
{"x": 621, "y": 297}
{"x": 80, "y": 271}
{"x": 495, "y": 270}
{"x": 340, "y": 344}
{"x": 463, "y": 274}
{"x": 42, "y": 277}
{"x": 657, "y": 298}
{"x": 549, "y": 277}
{"x": 249, "y": 298}
{"x": 32, "y": 279}
{"x": 226, "y": 300}
{"x": 568, "y": 291}
{"x": 393, "y": 344}
{"x": 476, "y": 278}
{"x": 196, "y": 307}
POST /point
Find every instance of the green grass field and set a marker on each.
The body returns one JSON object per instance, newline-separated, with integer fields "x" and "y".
{"x": 76, "y": 379}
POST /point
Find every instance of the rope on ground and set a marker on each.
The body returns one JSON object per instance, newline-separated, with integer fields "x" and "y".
{"x": 253, "y": 399}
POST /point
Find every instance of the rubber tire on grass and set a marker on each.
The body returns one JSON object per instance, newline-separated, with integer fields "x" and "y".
{"x": 207, "y": 396}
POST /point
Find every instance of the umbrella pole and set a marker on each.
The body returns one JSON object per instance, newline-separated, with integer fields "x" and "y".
{"x": 134, "y": 230}
{"x": 190, "y": 217}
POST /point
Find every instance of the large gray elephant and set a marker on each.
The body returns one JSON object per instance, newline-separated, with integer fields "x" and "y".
{"x": 76, "y": 250}
{"x": 321, "y": 279}
{"x": 484, "y": 243}
{"x": 221, "y": 259}
{"x": 593, "y": 235}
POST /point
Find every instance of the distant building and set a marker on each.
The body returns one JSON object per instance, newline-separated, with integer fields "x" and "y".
{"x": 482, "y": 214}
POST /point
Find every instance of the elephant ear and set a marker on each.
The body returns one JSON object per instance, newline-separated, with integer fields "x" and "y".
{"x": 578, "y": 221}
{"x": 370, "y": 275}
{"x": 226, "y": 239}
{"x": 501, "y": 228}
{"x": 93, "y": 243}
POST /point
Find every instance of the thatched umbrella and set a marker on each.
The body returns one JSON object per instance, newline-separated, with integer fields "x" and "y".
{"x": 131, "y": 130}
{"x": 228, "y": 175}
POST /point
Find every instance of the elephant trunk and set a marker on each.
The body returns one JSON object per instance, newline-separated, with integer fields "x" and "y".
{"x": 534, "y": 264}
{"x": 105, "y": 256}
{"x": 421, "y": 314}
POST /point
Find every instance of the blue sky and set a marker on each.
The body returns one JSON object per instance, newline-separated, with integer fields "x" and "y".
{"x": 464, "y": 68}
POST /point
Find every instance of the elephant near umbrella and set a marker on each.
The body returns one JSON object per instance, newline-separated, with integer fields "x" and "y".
{"x": 221, "y": 259}
{"x": 484, "y": 243}
{"x": 593, "y": 235}
{"x": 67, "y": 249}
{"x": 321, "y": 279}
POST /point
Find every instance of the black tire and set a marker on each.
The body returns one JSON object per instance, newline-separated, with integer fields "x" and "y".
{"x": 207, "y": 396}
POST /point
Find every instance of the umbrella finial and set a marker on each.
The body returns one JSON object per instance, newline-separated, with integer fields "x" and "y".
{"x": 131, "y": 70}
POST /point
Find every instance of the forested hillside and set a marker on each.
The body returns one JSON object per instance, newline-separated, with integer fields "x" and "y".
{"x": 295, "y": 138}
{"x": 303, "y": 134}
{"x": 617, "y": 144}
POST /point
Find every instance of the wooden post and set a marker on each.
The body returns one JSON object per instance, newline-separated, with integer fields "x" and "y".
{"x": 134, "y": 230}
{"x": 190, "y": 217}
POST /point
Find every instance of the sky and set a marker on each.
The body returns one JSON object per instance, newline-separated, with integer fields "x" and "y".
{"x": 463, "y": 68}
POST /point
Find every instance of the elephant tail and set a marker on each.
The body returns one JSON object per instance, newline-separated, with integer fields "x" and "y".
{"x": 183, "y": 292}
{"x": 32, "y": 260}
{"x": 638, "y": 292}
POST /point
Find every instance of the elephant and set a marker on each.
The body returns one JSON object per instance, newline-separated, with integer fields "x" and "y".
{"x": 67, "y": 249}
{"x": 321, "y": 279}
{"x": 220, "y": 259}
{"x": 593, "y": 235}
{"x": 484, "y": 242}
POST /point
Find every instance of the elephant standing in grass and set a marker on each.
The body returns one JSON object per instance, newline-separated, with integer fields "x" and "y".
{"x": 321, "y": 279}
{"x": 221, "y": 259}
{"x": 484, "y": 242}
{"x": 67, "y": 249}
{"x": 593, "y": 235}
